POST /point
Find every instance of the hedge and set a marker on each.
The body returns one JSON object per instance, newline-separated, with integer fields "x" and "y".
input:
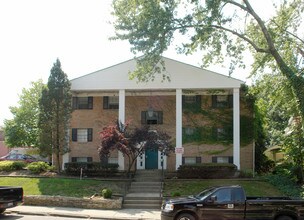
{"x": 91, "y": 169}
{"x": 206, "y": 171}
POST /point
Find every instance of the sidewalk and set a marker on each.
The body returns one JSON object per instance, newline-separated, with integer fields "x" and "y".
{"x": 122, "y": 214}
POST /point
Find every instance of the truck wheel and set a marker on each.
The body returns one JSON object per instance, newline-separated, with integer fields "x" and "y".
{"x": 2, "y": 210}
{"x": 283, "y": 217}
{"x": 185, "y": 216}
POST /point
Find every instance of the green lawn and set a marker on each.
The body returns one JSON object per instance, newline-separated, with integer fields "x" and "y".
{"x": 190, "y": 187}
{"x": 62, "y": 186}
{"x": 86, "y": 188}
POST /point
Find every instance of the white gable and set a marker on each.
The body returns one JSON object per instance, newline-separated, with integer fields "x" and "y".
{"x": 183, "y": 76}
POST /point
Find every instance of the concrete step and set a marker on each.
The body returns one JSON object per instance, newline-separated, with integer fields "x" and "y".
{"x": 143, "y": 189}
{"x": 146, "y": 184}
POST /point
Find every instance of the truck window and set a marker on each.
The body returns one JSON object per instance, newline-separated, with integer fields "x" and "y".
{"x": 223, "y": 195}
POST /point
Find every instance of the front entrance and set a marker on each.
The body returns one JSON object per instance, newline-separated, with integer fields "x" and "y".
{"x": 151, "y": 160}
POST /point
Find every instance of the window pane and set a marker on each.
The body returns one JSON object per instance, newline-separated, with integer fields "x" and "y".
{"x": 81, "y": 159}
{"x": 82, "y": 102}
{"x": 223, "y": 159}
{"x": 82, "y": 135}
{"x": 190, "y": 160}
{"x": 113, "y": 102}
{"x": 190, "y": 99}
{"x": 113, "y": 160}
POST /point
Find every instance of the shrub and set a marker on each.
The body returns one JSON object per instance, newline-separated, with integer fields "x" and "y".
{"x": 106, "y": 193}
{"x": 39, "y": 167}
{"x": 12, "y": 165}
{"x": 206, "y": 171}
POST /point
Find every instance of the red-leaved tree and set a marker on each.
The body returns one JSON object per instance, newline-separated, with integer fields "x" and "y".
{"x": 133, "y": 144}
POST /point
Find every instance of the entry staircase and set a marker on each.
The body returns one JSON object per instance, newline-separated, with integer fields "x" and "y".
{"x": 145, "y": 190}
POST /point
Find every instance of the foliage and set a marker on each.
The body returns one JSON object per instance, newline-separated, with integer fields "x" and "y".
{"x": 22, "y": 130}
{"x": 206, "y": 171}
{"x": 132, "y": 144}
{"x": 106, "y": 193}
{"x": 55, "y": 111}
{"x": 91, "y": 169}
{"x": 213, "y": 27}
{"x": 39, "y": 167}
{"x": 12, "y": 165}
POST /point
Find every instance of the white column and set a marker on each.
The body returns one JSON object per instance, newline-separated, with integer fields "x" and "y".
{"x": 121, "y": 118}
{"x": 179, "y": 125}
{"x": 236, "y": 127}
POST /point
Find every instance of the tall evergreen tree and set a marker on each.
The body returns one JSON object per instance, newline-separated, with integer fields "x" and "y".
{"x": 55, "y": 112}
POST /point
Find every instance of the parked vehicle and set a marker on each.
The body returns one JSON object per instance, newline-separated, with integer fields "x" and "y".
{"x": 19, "y": 157}
{"x": 10, "y": 197}
{"x": 231, "y": 203}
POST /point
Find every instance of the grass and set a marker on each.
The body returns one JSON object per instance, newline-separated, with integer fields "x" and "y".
{"x": 87, "y": 187}
{"x": 62, "y": 186}
{"x": 190, "y": 187}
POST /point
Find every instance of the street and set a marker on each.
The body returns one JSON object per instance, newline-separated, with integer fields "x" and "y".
{"x": 33, "y": 217}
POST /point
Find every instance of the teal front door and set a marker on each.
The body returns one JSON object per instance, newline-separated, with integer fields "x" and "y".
{"x": 151, "y": 159}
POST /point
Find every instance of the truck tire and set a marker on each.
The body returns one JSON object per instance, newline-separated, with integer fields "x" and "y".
{"x": 284, "y": 217}
{"x": 2, "y": 210}
{"x": 185, "y": 216}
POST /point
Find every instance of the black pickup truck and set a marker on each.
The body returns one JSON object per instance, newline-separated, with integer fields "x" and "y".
{"x": 231, "y": 203}
{"x": 10, "y": 197}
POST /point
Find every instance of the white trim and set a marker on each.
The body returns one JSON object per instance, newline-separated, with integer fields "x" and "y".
{"x": 236, "y": 127}
{"x": 121, "y": 118}
{"x": 179, "y": 125}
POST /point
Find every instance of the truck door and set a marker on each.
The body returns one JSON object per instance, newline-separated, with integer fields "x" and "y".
{"x": 224, "y": 204}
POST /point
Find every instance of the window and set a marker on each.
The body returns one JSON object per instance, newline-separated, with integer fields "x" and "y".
{"x": 113, "y": 160}
{"x": 191, "y": 160}
{"x": 222, "y": 159}
{"x": 82, "y": 159}
{"x": 110, "y": 102}
{"x": 83, "y": 102}
{"x": 155, "y": 118}
{"x": 222, "y": 101}
{"x": 223, "y": 196}
{"x": 191, "y": 99}
{"x": 82, "y": 134}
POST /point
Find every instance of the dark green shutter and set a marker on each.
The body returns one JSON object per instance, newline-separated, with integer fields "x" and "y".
{"x": 230, "y": 101}
{"x": 214, "y": 101}
{"x": 198, "y": 160}
{"x": 214, "y": 159}
{"x": 159, "y": 117}
{"x": 74, "y": 134}
{"x": 90, "y": 134}
{"x": 75, "y": 103}
{"x": 143, "y": 117}
{"x": 74, "y": 159}
{"x": 89, "y": 159}
{"x": 105, "y": 102}
{"x": 198, "y": 100}
{"x": 183, "y": 160}
{"x": 230, "y": 159}
{"x": 90, "y": 102}
{"x": 183, "y": 100}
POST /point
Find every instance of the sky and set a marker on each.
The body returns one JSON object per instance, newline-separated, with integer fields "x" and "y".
{"x": 34, "y": 33}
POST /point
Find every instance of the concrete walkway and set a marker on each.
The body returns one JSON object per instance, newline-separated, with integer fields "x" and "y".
{"x": 123, "y": 214}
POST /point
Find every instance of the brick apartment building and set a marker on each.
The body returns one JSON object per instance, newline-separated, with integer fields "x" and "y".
{"x": 202, "y": 111}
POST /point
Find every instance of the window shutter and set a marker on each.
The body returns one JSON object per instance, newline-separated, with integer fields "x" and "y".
{"x": 74, "y": 103}
{"x": 90, "y": 134}
{"x": 105, "y": 102}
{"x": 214, "y": 159}
{"x": 89, "y": 159}
{"x": 230, "y": 101}
{"x": 214, "y": 101}
{"x": 90, "y": 102}
{"x": 159, "y": 117}
{"x": 183, "y": 160}
{"x": 198, "y": 160}
{"x": 74, "y": 134}
{"x": 183, "y": 100}
{"x": 230, "y": 159}
{"x": 74, "y": 159}
{"x": 198, "y": 100}
{"x": 143, "y": 117}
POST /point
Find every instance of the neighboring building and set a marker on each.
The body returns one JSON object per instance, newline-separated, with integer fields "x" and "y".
{"x": 201, "y": 110}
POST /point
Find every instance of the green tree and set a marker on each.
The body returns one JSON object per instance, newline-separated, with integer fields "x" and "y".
{"x": 55, "y": 112}
{"x": 221, "y": 29}
{"x": 22, "y": 130}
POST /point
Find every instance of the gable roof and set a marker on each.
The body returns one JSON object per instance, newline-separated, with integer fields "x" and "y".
{"x": 182, "y": 76}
